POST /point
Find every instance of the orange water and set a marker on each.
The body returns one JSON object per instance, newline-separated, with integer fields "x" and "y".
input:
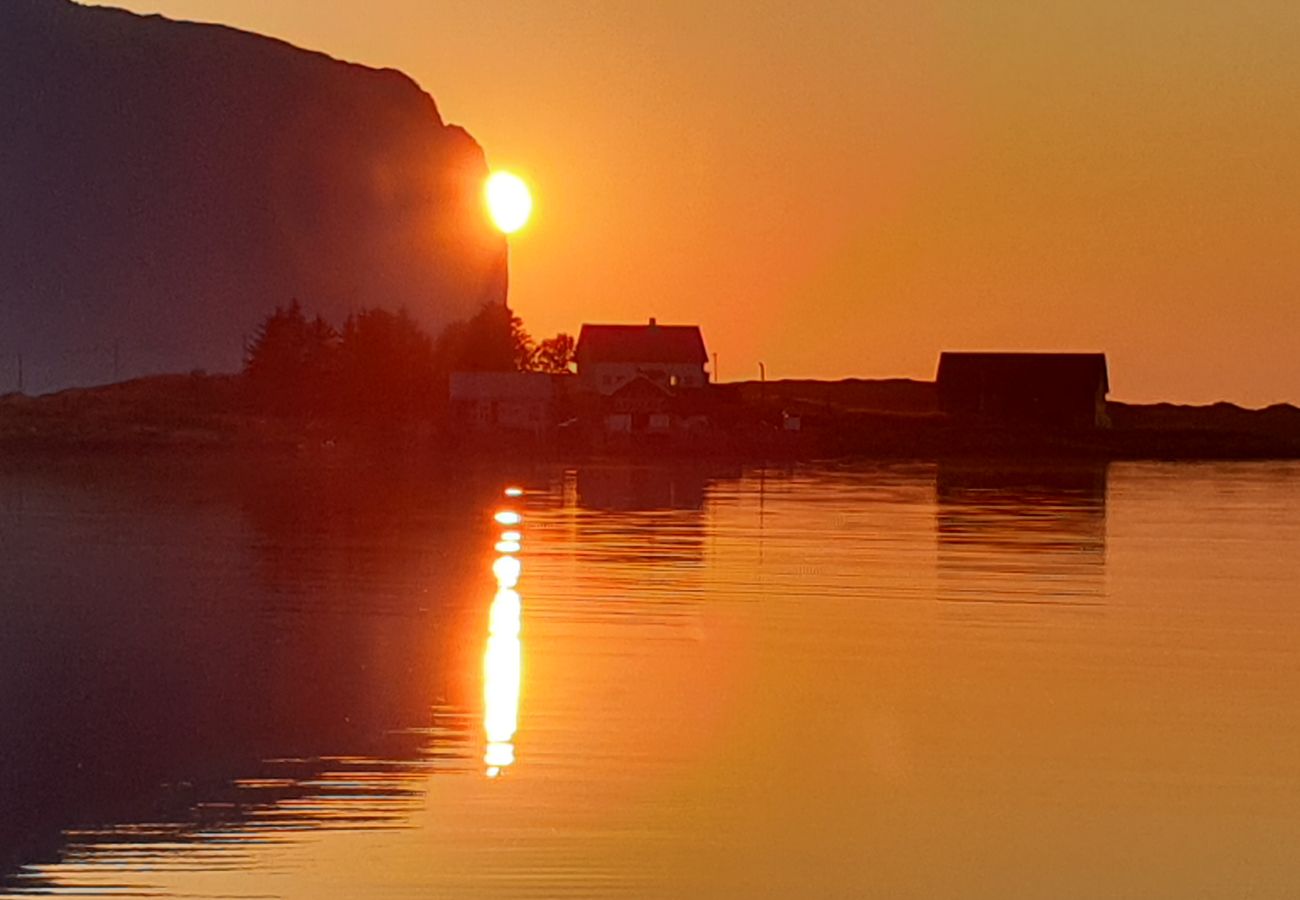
{"x": 820, "y": 681}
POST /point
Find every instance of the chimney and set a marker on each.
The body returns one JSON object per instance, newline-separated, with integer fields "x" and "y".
{"x": 653, "y": 323}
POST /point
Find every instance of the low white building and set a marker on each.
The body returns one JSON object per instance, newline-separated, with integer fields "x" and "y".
{"x": 503, "y": 401}
{"x": 611, "y": 356}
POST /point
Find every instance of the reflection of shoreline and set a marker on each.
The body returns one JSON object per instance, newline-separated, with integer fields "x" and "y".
{"x": 221, "y": 827}
{"x": 502, "y": 658}
{"x": 867, "y": 419}
{"x": 262, "y": 653}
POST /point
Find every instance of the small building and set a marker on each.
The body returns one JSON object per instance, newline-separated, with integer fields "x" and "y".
{"x": 504, "y": 401}
{"x": 640, "y": 407}
{"x": 1063, "y": 390}
{"x": 610, "y": 356}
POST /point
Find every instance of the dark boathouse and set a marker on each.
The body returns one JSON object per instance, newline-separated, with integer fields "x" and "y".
{"x": 1062, "y": 390}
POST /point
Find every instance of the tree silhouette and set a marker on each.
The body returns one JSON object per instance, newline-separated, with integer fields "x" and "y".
{"x": 493, "y": 340}
{"x": 386, "y": 367}
{"x": 554, "y": 355}
{"x": 521, "y": 344}
{"x": 290, "y": 362}
{"x": 381, "y": 368}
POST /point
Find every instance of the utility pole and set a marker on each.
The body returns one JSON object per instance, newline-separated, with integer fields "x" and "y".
{"x": 715, "y": 366}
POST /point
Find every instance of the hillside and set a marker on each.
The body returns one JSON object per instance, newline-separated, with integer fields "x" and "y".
{"x": 164, "y": 184}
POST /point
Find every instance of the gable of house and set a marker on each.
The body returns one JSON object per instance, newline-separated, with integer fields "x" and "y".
{"x": 641, "y": 394}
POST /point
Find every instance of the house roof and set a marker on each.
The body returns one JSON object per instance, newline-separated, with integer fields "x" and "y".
{"x": 651, "y": 343}
{"x": 1061, "y": 371}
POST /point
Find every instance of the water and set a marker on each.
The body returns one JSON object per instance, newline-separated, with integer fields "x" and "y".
{"x": 289, "y": 680}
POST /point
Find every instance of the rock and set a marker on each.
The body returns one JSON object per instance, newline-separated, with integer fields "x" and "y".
{"x": 164, "y": 184}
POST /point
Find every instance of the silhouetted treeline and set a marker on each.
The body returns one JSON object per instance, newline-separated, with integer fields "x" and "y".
{"x": 380, "y": 366}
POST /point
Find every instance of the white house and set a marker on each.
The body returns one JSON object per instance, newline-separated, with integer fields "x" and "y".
{"x": 611, "y": 356}
{"x": 506, "y": 401}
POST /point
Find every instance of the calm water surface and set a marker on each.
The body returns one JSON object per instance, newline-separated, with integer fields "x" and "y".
{"x": 342, "y": 681}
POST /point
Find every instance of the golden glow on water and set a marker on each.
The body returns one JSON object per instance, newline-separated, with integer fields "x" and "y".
{"x": 502, "y": 673}
{"x": 502, "y": 659}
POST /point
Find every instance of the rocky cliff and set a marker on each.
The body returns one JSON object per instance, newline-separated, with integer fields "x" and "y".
{"x": 164, "y": 184}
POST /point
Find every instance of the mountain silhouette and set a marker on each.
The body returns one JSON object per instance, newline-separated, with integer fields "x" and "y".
{"x": 164, "y": 184}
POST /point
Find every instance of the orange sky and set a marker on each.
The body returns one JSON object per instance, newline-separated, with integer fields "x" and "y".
{"x": 846, "y": 188}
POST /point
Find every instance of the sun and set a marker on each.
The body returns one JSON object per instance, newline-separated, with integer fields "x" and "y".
{"x": 508, "y": 201}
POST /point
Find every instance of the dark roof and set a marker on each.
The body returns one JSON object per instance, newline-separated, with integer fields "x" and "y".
{"x": 1058, "y": 370}
{"x": 652, "y": 343}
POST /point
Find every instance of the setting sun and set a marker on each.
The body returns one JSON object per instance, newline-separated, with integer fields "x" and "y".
{"x": 509, "y": 201}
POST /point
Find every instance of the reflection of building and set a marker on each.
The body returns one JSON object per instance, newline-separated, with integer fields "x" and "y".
{"x": 1061, "y": 389}
{"x": 644, "y": 515}
{"x": 671, "y": 356}
{"x": 1025, "y": 535}
{"x": 504, "y": 401}
{"x": 640, "y": 488}
{"x": 634, "y": 541}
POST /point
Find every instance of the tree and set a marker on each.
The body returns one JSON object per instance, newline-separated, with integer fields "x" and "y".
{"x": 381, "y": 368}
{"x": 493, "y": 340}
{"x": 554, "y": 355}
{"x": 521, "y": 344}
{"x": 386, "y": 367}
{"x": 277, "y": 346}
{"x": 290, "y": 362}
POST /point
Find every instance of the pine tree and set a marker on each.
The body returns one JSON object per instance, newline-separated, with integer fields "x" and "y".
{"x": 291, "y": 362}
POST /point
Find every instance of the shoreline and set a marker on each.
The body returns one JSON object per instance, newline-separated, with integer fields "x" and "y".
{"x": 991, "y": 448}
{"x": 884, "y": 420}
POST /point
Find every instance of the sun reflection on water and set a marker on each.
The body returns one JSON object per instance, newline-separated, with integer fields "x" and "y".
{"x": 506, "y": 569}
{"x": 502, "y": 657}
